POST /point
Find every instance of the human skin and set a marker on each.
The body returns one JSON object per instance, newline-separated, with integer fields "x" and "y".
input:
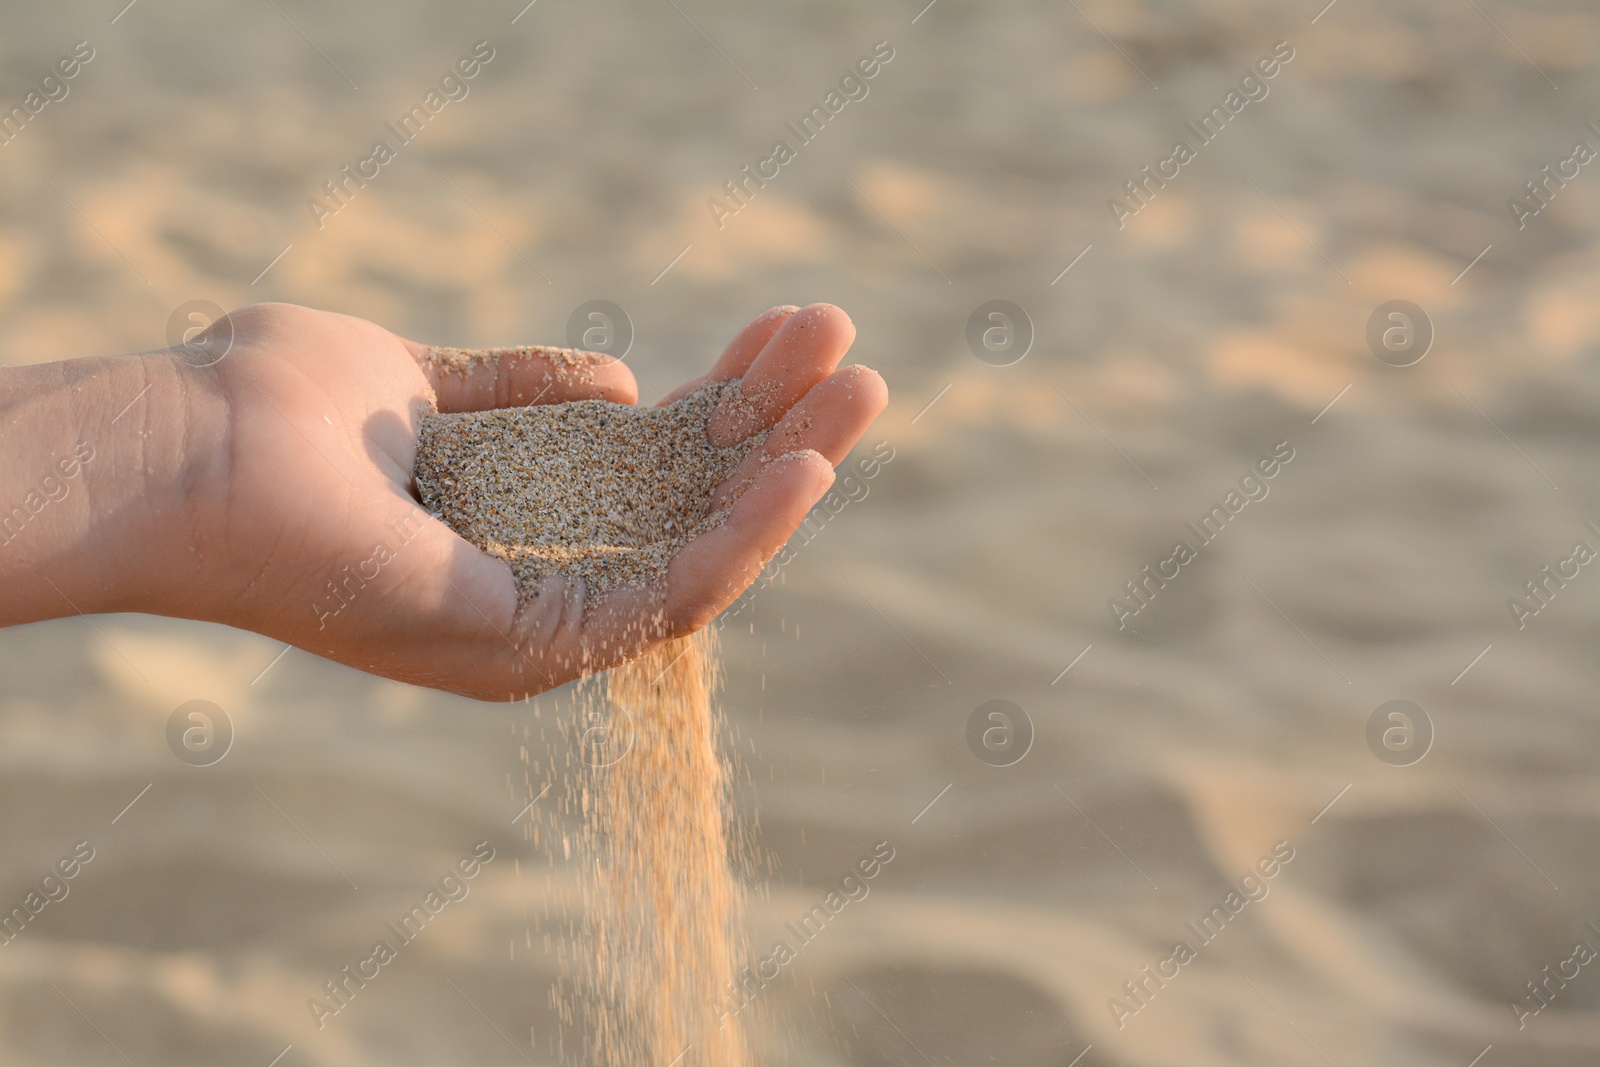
{"x": 236, "y": 492}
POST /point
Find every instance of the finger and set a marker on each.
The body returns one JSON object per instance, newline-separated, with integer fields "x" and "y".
{"x": 744, "y": 348}
{"x": 830, "y": 420}
{"x": 466, "y": 379}
{"x": 805, "y": 349}
{"x": 741, "y": 351}
{"x": 567, "y": 636}
{"x": 712, "y": 570}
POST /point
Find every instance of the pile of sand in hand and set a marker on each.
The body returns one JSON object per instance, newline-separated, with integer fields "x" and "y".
{"x": 594, "y": 490}
{"x": 607, "y": 493}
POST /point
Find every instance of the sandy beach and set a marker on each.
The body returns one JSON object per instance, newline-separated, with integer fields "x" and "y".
{"x": 1191, "y": 718}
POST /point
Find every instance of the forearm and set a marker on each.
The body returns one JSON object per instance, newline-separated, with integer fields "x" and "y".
{"x": 93, "y": 470}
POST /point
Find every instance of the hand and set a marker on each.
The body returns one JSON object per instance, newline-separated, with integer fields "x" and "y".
{"x": 298, "y": 518}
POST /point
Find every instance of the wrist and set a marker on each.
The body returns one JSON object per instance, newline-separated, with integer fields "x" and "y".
{"x": 98, "y": 505}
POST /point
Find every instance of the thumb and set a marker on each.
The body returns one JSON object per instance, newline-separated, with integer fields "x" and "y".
{"x": 475, "y": 379}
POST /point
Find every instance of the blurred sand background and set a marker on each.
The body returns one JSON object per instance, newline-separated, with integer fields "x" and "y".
{"x": 1177, "y": 351}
